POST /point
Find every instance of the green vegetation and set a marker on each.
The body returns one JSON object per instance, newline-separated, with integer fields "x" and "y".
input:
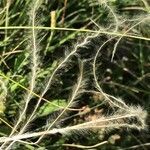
{"x": 74, "y": 74}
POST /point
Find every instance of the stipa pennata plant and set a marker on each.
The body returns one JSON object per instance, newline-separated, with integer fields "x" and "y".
{"x": 3, "y": 94}
{"x": 121, "y": 115}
